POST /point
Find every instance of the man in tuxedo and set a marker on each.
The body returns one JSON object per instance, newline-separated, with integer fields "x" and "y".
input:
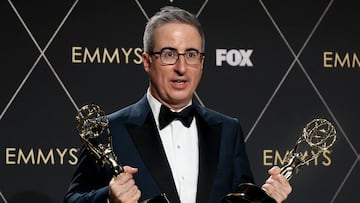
{"x": 169, "y": 144}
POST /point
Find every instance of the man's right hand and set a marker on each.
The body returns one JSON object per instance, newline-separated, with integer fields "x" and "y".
{"x": 122, "y": 188}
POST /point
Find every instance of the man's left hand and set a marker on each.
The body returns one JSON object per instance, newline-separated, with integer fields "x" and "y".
{"x": 277, "y": 186}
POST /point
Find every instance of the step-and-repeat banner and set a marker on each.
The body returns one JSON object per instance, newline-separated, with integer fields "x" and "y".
{"x": 275, "y": 65}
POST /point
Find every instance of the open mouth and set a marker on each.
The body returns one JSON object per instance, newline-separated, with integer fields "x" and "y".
{"x": 179, "y": 81}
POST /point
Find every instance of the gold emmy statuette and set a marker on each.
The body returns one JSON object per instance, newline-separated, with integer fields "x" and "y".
{"x": 93, "y": 128}
{"x": 319, "y": 135}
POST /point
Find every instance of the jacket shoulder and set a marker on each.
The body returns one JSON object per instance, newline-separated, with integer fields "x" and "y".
{"x": 212, "y": 115}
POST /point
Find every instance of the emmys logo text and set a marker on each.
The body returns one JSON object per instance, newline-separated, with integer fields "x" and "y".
{"x": 32, "y": 156}
{"x": 84, "y": 55}
{"x": 234, "y": 57}
{"x": 340, "y": 60}
{"x": 274, "y": 157}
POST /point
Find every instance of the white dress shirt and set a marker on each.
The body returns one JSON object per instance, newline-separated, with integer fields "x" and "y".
{"x": 182, "y": 151}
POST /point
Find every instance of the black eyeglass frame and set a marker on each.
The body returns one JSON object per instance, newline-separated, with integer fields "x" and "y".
{"x": 202, "y": 55}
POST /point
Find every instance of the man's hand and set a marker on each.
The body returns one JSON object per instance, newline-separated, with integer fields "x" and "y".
{"x": 122, "y": 188}
{"x": 277, "y": 186}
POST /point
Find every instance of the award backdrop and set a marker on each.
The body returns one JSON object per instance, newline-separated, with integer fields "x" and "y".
{"x": 273, "y": 64}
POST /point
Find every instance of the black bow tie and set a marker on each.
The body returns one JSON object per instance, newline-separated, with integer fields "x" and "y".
{"x": 166, "y": 116}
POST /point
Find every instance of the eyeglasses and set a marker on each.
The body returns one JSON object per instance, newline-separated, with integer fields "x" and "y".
{"x": 170, "y": 56}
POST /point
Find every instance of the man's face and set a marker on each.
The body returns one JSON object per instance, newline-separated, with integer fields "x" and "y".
{"x": 174, "y": 85}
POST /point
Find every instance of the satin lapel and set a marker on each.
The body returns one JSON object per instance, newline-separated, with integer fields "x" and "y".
{"x": 148, "y": 143}
{"x": 209, "y": 144}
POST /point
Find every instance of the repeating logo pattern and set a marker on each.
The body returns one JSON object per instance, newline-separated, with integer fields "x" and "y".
{"x": 274, "y": 65}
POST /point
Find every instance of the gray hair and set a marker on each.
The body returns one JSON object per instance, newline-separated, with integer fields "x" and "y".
{"x": 169, "y": 14}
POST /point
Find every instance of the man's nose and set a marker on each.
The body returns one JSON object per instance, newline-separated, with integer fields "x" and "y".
{"x": 180, "y": 65}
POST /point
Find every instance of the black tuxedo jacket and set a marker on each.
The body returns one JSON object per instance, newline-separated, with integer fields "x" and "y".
{"x": 223, "y": 163}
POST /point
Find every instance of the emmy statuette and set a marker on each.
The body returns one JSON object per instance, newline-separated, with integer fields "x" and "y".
{"x": 93, "y": 128}
{"x": 319, "y": 135}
